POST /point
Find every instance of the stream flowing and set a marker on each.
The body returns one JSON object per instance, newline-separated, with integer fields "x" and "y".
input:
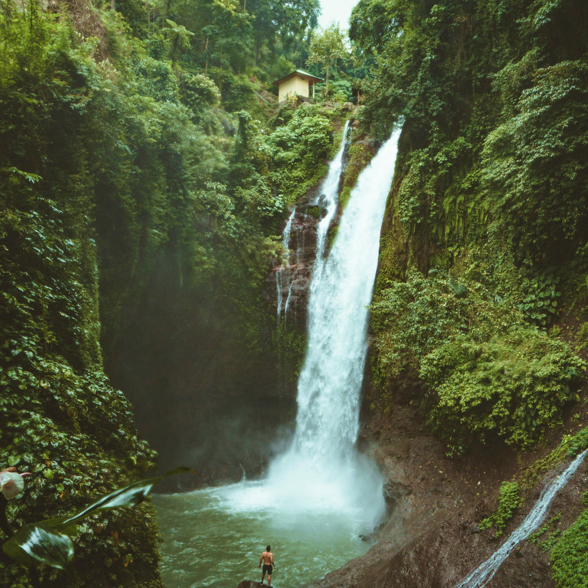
{"x": 320, "y": 494}
{"x": 479, "y": 577}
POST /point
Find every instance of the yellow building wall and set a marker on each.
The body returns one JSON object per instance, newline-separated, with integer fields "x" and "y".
{"x": 292, "y": 87}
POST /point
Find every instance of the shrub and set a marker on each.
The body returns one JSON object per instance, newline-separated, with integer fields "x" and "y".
{"x": 569, "y": 558}
{"x": 484, "y": 370}
{"x": 515, "y": 385}
{"x": 508, "y": 502}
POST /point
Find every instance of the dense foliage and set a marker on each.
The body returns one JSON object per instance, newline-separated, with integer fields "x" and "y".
{"x": 483, "y": 369}
{"x": 491, "y": 188}
{"x": 495, "y": 114}
{"x": 485, "y": 239}
{"x": 569, "y": 563}
{"x": 127, "y": 160}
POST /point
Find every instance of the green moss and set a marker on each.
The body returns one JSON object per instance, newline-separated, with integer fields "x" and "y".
{"x": 344, "y": 196}
{"x": 314, "y": 211}
{"x": 569, "y": 558}
{"x": 359, "y": 158}
{"x": 508, "y": 502}
{"x": 333, "y": 231}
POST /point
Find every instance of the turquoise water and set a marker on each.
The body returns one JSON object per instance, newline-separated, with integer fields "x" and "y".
{"x": 212, "y": 539}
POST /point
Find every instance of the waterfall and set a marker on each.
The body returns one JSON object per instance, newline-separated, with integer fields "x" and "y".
{"x": 322, "y": 468}
{"x": 280, "y": 272}
{"x": 484, "y": 572}
{"x": 288, "y": 300}
{"x": 286, "y": 236}
{"x": 321, "y": 472}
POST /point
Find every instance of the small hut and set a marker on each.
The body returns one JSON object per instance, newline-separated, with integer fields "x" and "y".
{"x": 296, "y": 83}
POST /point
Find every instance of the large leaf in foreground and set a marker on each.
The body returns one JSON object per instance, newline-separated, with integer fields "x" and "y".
{"x": 130, "y": 495}
{"x": 50, "y": 541}
{"x": 38, "y": 541}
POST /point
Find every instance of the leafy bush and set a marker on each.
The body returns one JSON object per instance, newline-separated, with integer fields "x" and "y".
{"x": 484, "y": 371}
{"x": 569, "y": 558}
{"x": 50, "y": 542}
{"x": 540, "y": 303}
{"x": 198, "y": 92}
{"x": 514, "y": 385}
{"x": 508, "y": 502}
{"x": 299, "y": 151}
{"x": 535, "y": 158}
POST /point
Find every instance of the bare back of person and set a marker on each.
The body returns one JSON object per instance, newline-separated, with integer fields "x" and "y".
{"x": 267, "y": 558}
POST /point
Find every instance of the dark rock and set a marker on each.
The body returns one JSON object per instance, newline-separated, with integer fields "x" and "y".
{"x": 249, "y": 584}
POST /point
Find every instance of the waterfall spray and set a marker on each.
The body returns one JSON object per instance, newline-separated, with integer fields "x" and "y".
{"x": 485, "y": 572}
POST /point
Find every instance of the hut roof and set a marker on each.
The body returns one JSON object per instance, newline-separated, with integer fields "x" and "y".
{"x": 303, "y": 74}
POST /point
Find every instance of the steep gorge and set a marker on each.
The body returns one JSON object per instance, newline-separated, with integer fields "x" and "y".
{"x": 125, "y": 213}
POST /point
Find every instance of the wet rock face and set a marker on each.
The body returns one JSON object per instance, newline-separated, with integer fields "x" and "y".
{"x": 287, "y": 285}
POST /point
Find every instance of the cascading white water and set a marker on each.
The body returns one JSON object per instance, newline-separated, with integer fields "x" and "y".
{"x": 281, "y": 271}
{"x": 279, "y": 290}
{"x": 485, "y": 572}
{"x": 287, "y": 305}
{"x": 322, "y": 469}
{"x": 286, "y": 236}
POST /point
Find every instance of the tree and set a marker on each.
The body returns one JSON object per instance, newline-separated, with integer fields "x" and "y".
{"x": 289, "y": 20}
{"x": 179, "y": 37}
{"x": 327, "y": 47}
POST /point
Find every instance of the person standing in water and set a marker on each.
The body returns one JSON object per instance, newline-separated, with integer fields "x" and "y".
{"x": 267, "y": 557}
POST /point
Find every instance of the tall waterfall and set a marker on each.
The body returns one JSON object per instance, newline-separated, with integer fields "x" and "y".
{"x": 322, "y": 472}
{"x": 322, "y": 468}
{"x": 485, "y": 571}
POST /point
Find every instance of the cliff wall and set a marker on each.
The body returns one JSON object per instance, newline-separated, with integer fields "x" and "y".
{"x": 477, "y": 343}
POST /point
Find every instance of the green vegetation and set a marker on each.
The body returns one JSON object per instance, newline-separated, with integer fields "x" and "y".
{"x": 569, "y": 557}
{"x": 578, "y": 443}
{"x": 486, "y": 228}
{"x": 359, "y": 157}
{"x": 134, "y": 152}
{"x": 50, "y": 542}
{"x": 508, "y": 502}
{"x": 290, "y": 348}
{"x": 484, "y": 370}
{"x": 299, "y": 150}
{"x": 552, "y": 534}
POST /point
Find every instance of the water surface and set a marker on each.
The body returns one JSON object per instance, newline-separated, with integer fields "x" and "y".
{"x": 214, "y": 538}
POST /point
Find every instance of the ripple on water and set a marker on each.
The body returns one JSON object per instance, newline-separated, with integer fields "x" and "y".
{"x": 212, "y": 539}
